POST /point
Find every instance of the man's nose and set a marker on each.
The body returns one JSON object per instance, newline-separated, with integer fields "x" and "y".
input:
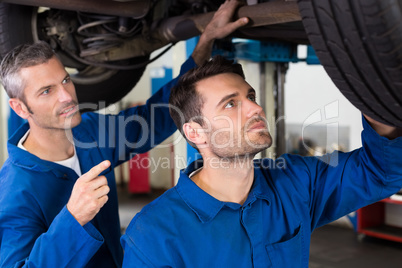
{"x": 253, "y": 109}
{"x": 64, "y": 95}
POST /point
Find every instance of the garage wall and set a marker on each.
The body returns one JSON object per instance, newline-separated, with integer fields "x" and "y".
{"x": 311, "y": 96}
{"x": 160, "y": 172}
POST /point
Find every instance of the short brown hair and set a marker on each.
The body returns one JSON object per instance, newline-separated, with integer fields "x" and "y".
{"x": 22, "y": 56}
{"x": 185, "y": 103}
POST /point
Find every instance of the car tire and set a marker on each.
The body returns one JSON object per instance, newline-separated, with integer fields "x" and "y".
{"x": 359, "y": 44}
{"x": 18, "y": 26}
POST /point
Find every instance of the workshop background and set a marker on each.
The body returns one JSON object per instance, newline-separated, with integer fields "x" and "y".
{"x": 307, "y": 114}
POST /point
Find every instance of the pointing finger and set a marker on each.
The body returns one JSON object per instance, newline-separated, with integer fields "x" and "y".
{"x": 96, "y": 170}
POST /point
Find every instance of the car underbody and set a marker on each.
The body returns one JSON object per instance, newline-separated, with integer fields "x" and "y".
{"x": 105, "y": 40}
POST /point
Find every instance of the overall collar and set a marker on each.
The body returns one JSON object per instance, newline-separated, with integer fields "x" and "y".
{"x": 26, "y": 160}
{"x": 205, "y": 206}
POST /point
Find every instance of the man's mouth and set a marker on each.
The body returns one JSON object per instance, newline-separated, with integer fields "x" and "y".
{"x": 69, "y": 111}
{"x": 257, "y": 126}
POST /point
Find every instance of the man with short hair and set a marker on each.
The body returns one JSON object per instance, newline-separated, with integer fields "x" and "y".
{"x": 58, "y": 198}
{"x": 229, "y": 210}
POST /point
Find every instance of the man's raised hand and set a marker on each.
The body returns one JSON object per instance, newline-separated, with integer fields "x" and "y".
{"x": 220, "y": 26}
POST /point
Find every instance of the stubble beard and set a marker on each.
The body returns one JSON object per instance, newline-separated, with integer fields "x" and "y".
{"x": 69, "y": 122}
{"x": 240, "y": 149}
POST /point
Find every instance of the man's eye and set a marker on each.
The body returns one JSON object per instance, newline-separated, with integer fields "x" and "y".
{"x": 66, "y": 80}
{"x": 230, "y": 104}
{"x": 45, "y": 92}
{"x": 252, "y": 98}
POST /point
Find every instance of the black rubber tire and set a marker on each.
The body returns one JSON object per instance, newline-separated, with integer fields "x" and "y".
{"x": 16, "y": 28}
{"x": 359, "y": 43}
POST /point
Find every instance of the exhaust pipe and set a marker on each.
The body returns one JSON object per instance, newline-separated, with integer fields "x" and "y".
{"x": 184, "y": 27}
{"x": 180, "y": 28}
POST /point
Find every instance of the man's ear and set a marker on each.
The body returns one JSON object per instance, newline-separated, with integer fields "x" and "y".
{"x": 19, "y": 108}
{"x": 194, "y": 133}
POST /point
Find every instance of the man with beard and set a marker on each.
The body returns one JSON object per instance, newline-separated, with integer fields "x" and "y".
{"x": 50, "y": 214}
{"x": 229, "y": 210}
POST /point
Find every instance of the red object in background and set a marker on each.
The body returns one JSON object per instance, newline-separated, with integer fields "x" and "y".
{"x": 370, "y": 221}
{"x": 139, "y": 175}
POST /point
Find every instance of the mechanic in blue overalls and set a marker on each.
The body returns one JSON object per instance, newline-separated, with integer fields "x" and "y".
{"x": 58, "y": 198}
{"x": 229, "y": 210}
